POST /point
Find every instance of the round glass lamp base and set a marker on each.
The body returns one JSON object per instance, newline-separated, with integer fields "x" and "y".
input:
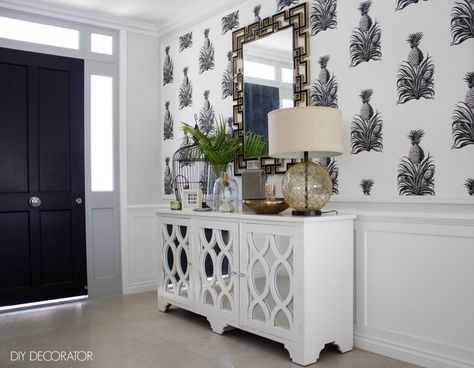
{"x": 307, "y": 187}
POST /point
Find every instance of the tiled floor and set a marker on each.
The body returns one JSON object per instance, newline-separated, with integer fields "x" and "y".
{"x": 129, "y": 332}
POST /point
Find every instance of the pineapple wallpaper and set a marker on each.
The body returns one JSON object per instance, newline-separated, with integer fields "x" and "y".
{"x": 206, "y": 115}
{"x": 401, "y": 4}
{"x": 228, "y": 78}
{"x": 206, "y": 57}
{"x": 168, "y": 129}
{"x": 462, "y": 21}
{"x": 185, "y": 41}
{"x": 416, "y": 171}
{"x": 463, "y": 117}
{"x": 407, "y": 114}
{"x": 185, "y": 91}
{"x": 230, "y": 22}
{"x": 324, "y": 89}
{"x": 167, "y": 68}
{"x": 366, "y": 129}
{"x": 365, "y": 42}
{"x": 323, "y": 16}
{"x": 367, "y": 185}
{"x": 415, "y": 76}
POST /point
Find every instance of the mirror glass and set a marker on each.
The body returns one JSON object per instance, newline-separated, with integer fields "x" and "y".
{"x": 268, "y": 79}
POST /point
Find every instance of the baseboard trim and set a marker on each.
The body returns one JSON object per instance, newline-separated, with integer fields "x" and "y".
{"x": 140, "y": 288}
{"x": 407, "y": 353}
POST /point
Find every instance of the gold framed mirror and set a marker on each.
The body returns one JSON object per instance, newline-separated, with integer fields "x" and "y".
{"x": 271, "y": 71}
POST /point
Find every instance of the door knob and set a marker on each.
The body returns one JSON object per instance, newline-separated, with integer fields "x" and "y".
{"x": 79, "y": 200}
{"x": 34, "y": 202}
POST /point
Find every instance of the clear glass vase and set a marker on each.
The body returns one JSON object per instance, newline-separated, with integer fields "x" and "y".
{"x": 225, "y": 193}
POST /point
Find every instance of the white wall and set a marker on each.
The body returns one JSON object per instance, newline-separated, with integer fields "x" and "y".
{"x": 143, "y": 121}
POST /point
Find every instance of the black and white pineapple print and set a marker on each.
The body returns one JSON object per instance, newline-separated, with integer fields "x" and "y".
{"x": 282, "y": 4}
{"x": 228, "y": 78}
{"x": 415, "y": 77}
{"x": 229, "y": 127}
{"x": 469, "y": 185}
{"x": 331, "y": 167}
{"x": 401, "y": 4}
{"x": 167, "y": 67}
{"x": 168, "y": 130}
{"x": 365, "y": 44}
{"x": 463, "y": 117}
{"x": 366, "y": 186}
{"x": 206, "y": 115}
{"x": 256, "y": 13}
{"x": 230, "y": 22}
{"x": 366, "y": 128}
{"x": 324, "y": 89}
{"x": 185, "y": 41}
{"x": 167, "y": 178}
{"x": 185, "y": 95}
{"x": 323, "y": 16}
{"x": 206, "y": 55}
{"x": 462, "y": 21}
{"x": 416, "y": 171}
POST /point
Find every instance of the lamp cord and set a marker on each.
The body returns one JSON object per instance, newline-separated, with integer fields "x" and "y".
{"x": 331, "y": 211}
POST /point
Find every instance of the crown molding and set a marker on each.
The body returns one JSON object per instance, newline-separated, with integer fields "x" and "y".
{"x": 189, "y": 20}
{"x": 78, "y": 15}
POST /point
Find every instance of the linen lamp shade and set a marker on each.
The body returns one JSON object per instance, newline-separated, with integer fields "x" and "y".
{"x": 313, "y": 129}
{"x": 305, "y": 132}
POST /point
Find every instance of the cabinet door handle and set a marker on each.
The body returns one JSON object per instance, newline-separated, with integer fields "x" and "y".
{"x": 190, "y": 264}
{"x": 242, "y": 274}
{"x": 233, "y": 273}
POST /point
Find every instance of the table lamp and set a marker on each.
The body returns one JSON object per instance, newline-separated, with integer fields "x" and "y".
{"x": 305, "y": 132}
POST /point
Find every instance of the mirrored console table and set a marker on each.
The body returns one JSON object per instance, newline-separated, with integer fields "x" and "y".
{"x": 289, "y": 279}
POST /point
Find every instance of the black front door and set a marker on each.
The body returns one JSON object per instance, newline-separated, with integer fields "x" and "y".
{"x": 42, "y": 216}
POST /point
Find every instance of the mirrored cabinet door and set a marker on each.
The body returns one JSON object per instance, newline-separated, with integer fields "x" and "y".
{"x": 267, "y": 285}
{"x": 218, "y": 268}
{"x": 175, "y": 260}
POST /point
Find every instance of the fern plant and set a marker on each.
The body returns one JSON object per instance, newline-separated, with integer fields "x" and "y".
{"x": 220, "y": 148}
{"x": 463, "y": 125}
{"x": 323, "y": 16}
{"x": 415, "y": 82}
{"x": 366, "y": 46}
{"x": 462, "y": 21}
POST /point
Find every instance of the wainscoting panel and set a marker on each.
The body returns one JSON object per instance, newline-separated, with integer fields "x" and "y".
{"x": 141, "y": 259}
{"x": 415, "y": 289}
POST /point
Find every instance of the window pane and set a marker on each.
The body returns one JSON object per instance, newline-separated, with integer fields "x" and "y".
{"x": 286, "y": 103}
{"x": 287, "y": 75}
{"x": 259, "y": 70}
{"x": 21, "y": 30}
{"x": 102, "y": 160}
{"x": 102, "y": 44}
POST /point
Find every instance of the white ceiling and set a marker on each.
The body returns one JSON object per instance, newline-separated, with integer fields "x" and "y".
{"x": 162, "y": 13}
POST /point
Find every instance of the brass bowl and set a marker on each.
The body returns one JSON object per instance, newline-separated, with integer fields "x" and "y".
{"x": 266, "y": 206}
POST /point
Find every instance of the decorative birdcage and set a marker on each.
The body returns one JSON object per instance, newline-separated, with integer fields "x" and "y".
{"x": 190, "y": 171}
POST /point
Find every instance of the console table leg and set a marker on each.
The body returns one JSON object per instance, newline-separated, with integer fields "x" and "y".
{"x": 219, "y": 326}
{"x": 163, "y": 306}
{"x": 303, "y": 355}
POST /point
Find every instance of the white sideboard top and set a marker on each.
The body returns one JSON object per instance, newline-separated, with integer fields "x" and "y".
{"x": 282, "y": 217}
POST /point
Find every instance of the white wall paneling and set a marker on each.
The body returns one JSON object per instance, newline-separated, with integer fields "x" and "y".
{"x": 139, "y": 252}
{"x": 415, "y": 288}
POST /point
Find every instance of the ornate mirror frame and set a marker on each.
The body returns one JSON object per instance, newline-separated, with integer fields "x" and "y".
{"x": 296, "y": 18}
